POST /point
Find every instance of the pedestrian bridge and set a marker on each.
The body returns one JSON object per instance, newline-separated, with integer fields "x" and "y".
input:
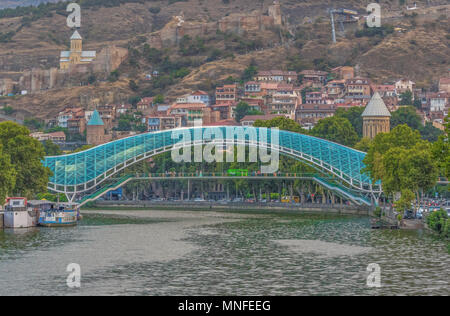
{"x": 83, "y": 172}
{"x": 328, "y": 183}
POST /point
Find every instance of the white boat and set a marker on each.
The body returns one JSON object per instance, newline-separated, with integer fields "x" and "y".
{"x": 18, "y": 214}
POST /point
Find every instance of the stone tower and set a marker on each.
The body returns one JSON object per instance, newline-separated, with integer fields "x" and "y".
{"x": 275, "y": 12}
{"x": 376, "y": 117}
{"x": 95, "y": 131}
{"x": 76, "y": 48}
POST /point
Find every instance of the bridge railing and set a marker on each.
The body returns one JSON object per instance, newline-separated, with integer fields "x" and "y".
{"x": 249, "y": 174}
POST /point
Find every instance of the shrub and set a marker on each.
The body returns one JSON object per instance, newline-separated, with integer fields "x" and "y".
{"x": 155, "y": 10}
{"x": 439, "y": 222}
{"x": 8, "y": 110}
{"x": 377, "y": 212}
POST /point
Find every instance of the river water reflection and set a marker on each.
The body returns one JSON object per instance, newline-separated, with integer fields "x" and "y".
{"x": 222, "y": 253}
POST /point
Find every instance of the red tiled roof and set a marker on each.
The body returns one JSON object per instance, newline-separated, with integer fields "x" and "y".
{"x": 260, "y": 117}
{"x": 147, "y": 100}
{"x": 314, "y": 72}
{"x": 383, "y": 87}
{"x": 199, "y": 92}
{"x": 57, "y": 134}
{"x": 286, "y": 86}
{"x": 188, "y": 105}
{"x": 269, "y": 86}
{"x": 224, "y": 105}
{"x": 317, "y": 107}
{"x": 228, "y": 122}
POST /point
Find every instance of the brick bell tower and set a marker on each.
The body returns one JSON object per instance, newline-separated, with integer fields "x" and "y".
{"x": 95, "y": 130}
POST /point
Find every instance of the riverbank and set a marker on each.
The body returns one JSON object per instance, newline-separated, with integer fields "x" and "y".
{"x": 251, "y": 207}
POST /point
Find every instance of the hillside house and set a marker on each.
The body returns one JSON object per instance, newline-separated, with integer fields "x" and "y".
{"x": 226, "y": 94}
{"x": 404, "y": 85}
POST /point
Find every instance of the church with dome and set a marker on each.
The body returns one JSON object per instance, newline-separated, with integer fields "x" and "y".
{"x": 376, "y": 118}
{"x": 76, "y": 55}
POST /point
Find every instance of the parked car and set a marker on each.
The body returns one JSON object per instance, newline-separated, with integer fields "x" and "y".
{"x": 408, "y": 214}
{"x": 419, "y": 214}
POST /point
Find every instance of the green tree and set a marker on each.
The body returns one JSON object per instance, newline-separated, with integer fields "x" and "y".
{"x": 26, "y": 155}
{"x": 134, "y": 101}
{"x": 405, "y": 201}
{"x": 401, "y": 136}
{"x": 336, "y": 129}
{"x": 282, "y": 123}
{"x": 51, "y": 149}
{"x": 52, "y": 197}
{"x": 406, "y": 115}
{"x": 363, "y": 144}
{"x": 439, "y": 222}
{"x": 354, "y": 116}
{"x": 124, "y": 125}
{"x": 114, "y": 76}
{"x": 8, "y": 110}
{"x": 82, "y": 148}
{"x": 33, "y": 123}
{"x": 441, "y": 152}
{"x": 159, "y": 99}
{"x": 429, "y": 132}
{"x": 7, "y": 176}
{"x": 417, "y": 103}
{"x": 92, "y": 79}
{"x": 241, "y": 110}
{"x": 402, "y": 161}
{"x": 249, "y": 72}
{"x": 406, "y": 98}
{"x": 155, "y": 10}
{"x": 133, "y": 85}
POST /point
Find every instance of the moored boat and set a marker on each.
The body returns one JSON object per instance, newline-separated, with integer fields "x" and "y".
{"x": 19, "y": 214}
{"x": 60, "y": 216}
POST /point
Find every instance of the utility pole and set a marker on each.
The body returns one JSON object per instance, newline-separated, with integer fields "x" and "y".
{"x": 333, "y": 28}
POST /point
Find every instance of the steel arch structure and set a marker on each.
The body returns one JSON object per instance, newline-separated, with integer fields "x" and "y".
{"x": 84, "y": 171}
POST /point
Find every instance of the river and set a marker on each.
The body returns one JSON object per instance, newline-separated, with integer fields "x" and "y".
{"x": 222, "y": 253}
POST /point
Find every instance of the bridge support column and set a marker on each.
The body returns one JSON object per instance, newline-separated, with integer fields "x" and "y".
{"x": 375, "y": 197}
{"x": 70, "y": 197}
{"x": 189, "y": 190}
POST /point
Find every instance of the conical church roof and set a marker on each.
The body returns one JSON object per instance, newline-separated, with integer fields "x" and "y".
{"x": 376, "y": 107}
{"x": 76, "y": 36}
{"x": 95, "y": 120}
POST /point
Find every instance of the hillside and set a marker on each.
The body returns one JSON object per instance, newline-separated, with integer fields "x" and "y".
{"x": 22, "y": 3}
{"x": 419, "y": 52}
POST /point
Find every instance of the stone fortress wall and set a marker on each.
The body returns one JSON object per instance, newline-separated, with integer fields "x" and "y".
{"x": 177, "y": 28}
{"x": 35, "y": 80}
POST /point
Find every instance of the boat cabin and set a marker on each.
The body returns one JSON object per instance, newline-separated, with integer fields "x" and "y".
{"x": 18, "y": 214}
